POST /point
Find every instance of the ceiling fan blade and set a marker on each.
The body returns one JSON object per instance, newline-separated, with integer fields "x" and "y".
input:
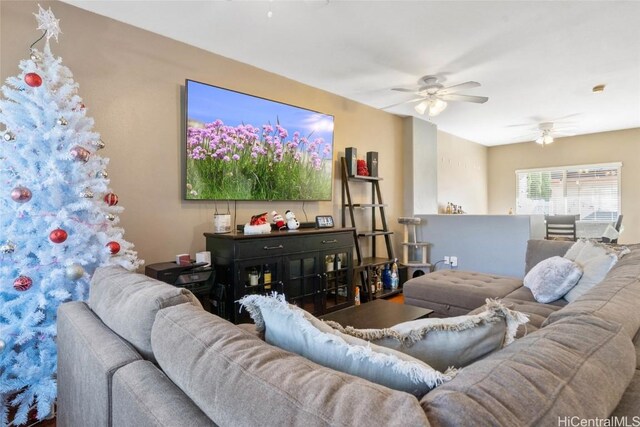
{"x": 556, "y": 133}
{"x": 402, "y": 89}
{"x": 403, "y": 102}
{"x": 466, "y": 98}
{"x": 458, "y": 88}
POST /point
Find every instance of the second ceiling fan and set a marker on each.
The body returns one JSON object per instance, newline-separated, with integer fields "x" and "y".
{"x": 433, "y": 96}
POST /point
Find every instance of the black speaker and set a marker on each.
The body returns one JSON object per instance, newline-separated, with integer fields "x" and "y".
{"x": 351, "y": 156}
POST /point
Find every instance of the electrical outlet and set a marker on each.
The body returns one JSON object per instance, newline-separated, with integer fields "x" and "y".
{"x": 446, "y": 260}
{"x": 454, "y": 261}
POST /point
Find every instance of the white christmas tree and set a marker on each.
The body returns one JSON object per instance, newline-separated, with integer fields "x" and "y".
{"x": 57, "y": 221}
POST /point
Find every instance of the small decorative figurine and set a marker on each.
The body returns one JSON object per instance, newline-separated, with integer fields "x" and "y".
{"x": 278, "y": 220}
{"x": 292, "y": 222}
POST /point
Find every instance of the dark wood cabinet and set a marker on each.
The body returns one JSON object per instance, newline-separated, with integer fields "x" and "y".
{"x": 313, "y": 268}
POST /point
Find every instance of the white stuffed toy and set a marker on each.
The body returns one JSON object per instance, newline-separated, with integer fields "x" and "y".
{"x": 292, "y": 222}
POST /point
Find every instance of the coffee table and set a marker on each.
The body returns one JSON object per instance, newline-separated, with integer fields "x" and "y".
{"x": 377, "y": 314}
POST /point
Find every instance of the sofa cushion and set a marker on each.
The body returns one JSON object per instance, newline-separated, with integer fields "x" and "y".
{"x": 463, "y": 290}
{"x": 523, "y": 294}
{"x": 88, "y": 355}
{"x": 576, "y": 367}
{"x": 454, "y": 341}
{"x": 629, "y": 405}
{"x": 522, "y": 301}
{"x": 614, "y": 299}
{"x": 237, "y": 379}
{"x": 128, "y": 302}
{"x": 551, "y": 278}
{"x": 143, "y": 396}
{"x": 538, "y": 250}
{"x": 295, "y": 330}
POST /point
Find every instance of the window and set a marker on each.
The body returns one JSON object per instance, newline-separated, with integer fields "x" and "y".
{"x": 590, "y": 191}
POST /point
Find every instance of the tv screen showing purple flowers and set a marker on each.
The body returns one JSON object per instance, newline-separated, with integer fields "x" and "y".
{"x": 242, "y": 147}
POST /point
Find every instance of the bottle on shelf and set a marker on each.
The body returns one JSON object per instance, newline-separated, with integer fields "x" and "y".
{"x": 374, "y": 282}
{"x": 266, "y": 274}
{"x": 357, "y": 297}
{"x": 386, "y": 277}
{"x": 394, "y": 275}
{"x": 378, "y": 280}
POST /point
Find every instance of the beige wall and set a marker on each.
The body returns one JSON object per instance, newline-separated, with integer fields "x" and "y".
{"x": 131, "y": 80}
{"x": 618, "y": 146}
{"x": 462, "y": 174}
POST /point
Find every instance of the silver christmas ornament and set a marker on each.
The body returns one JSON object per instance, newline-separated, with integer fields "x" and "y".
{"x": 80, "y": 153}
{"x": 21, "y": 194}
{"x": 102, "y": 174}
{"x": 62, "y": 121}
{"x": 99, "y": 144}
{"x": 3, "y": 345}
{"x": 74, "y": 271}
{"x": 110, "y": 216}
{"x": 8, "y": 136}
{"x": 8, "y": 248}
{"x": 87, "y": 194}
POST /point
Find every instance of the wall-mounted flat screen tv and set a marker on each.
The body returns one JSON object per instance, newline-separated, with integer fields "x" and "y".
{"x": 242, "y": 147}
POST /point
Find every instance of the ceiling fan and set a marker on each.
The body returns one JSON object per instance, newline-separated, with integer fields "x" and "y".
{"x": 545, "y": 132}
{"x": 548, "y": 130}
{"x": 433, "y": 96}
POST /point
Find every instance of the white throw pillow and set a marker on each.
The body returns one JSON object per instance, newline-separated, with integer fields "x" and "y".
{"x": 454, "y": 341}
{"x": 574, "y": 250}
{"x": 551, "y": 278}
{"x": 297, "y": 331}
{"x": 595, "y": 269}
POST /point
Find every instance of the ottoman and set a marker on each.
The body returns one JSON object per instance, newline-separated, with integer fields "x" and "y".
{"x": 455, "y": 293}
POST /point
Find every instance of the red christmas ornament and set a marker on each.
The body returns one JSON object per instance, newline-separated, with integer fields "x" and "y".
{"x": 111, "y": 199}
{"x": 32, "y": 79}
{"x": 114, "y": 247}
{"x": 21, "y": 194}
{"x": 22, "y": 283}
{"x": 58, "y": 235}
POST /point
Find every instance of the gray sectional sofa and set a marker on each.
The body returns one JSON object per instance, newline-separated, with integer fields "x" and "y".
{"x": 143, "y": 353}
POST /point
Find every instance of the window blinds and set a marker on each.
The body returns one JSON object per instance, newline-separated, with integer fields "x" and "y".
{"x": 590, "y": 191}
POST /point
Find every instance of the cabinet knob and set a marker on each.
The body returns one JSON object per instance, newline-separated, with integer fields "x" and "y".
{"x": 324, "y": 242}
{"x": 269, "y": 248}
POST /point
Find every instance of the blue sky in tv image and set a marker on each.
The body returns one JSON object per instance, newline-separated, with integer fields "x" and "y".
{"x": 207, "y": 104}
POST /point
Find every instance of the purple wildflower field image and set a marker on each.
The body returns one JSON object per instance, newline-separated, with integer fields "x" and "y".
{"x": 241, "y": 147}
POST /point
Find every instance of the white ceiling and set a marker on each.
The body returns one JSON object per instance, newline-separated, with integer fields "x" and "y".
{"x": 536, "y": 60}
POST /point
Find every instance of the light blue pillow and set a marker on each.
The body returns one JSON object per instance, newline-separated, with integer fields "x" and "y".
{"x": 297, "y": 331}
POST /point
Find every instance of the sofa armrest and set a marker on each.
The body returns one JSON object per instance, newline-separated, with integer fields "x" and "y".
{"x": 88, "y": 355}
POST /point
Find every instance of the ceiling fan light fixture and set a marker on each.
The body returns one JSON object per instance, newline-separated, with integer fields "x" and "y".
{"x": 421, "y": 108}
{"x": 436, "y": 106}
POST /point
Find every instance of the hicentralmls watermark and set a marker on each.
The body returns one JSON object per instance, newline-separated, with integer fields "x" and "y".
{"x": 599, "y": 422}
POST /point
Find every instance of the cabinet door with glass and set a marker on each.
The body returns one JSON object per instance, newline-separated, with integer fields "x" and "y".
{"x": 303, "y": 281}
{"x": 336, "y": 292}
{"x": 258, "y": 276}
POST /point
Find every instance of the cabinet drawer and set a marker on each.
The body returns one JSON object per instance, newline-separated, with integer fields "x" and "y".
{"x": 329, "y": 241}
{"x": 267, "y": 247}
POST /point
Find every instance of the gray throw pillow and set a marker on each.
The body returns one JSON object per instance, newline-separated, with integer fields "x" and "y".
{"x": 297, "y": 331}
{"x": 551, "y": 278}
{"x": 453, "y": 341}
